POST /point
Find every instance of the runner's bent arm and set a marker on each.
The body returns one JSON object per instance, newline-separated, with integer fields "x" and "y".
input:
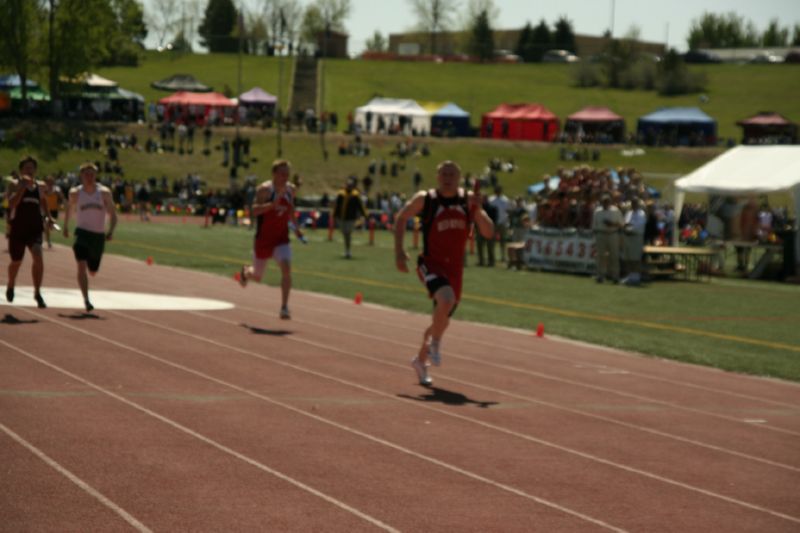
{"x": 111, "y": 209}
{"x": 262, "y": 203}
{"x": 411, "y": 209}
{"x": 482, "y": 221}
{"x": 73, "y": 201}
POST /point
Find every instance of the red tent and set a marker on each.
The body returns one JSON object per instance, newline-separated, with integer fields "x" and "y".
{"x": 768, "y": 128}
{"x": 596, "y": 124}
{"x": 532, "y": 122}
{"x": 195, "y": 107}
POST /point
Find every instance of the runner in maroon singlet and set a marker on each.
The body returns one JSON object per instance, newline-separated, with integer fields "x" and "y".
{"x": 447, "y": 213}
{"x": 28, "y": 217}
{"x": 274, "y": 212}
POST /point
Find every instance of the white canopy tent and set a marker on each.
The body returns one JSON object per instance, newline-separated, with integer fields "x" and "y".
{"x": 390, "y": 110}
{"x": 744, "y": 171}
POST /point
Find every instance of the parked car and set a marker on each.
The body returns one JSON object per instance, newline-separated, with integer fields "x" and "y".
{"x": 506, "y": 56}
{"x": 559, "y": 56}
{"x": 767, "y": 57}
{"x": 701, "y": 56}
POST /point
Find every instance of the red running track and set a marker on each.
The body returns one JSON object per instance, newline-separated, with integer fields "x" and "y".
{"x": 236, "y": 421}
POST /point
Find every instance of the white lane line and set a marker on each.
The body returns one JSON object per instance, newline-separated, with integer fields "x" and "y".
{"x": 546, "y": 355}
{"x": 198, "y": 436}
{"x": 513, "y": 433}
{"x": 531, "y": 399}
{"x": 542, "y": 375}
{"x": 180, "y": 273}
{"x": 534, "y": 400}
{"x": 52, "y": 463}
{"x": 353, "y": 431}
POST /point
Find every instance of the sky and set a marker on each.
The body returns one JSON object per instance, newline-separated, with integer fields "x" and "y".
{"x": 658, "y": 20}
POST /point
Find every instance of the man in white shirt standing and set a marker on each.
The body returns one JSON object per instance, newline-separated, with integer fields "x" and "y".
{"x": 502, "y": 204}
{"x": 91, "y": 202}
{"x": 606, "y": 223}
{"x": 633, "y": 243}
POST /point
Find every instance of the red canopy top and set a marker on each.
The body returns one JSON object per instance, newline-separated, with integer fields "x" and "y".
{"x": 521, "y": 111}
{"x": 595, "y": 114}
{"x": 765, "y": 119}
{"x": 188, "y": 98}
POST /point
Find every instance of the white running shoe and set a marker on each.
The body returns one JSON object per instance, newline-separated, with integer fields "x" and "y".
{"x": 422, "y": 372}
{"x": 285, "y": 313}
{"x": 433, "y": 353}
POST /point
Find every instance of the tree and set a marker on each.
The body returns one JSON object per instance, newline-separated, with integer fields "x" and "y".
{"x": 619, "y": 57}
{"x": 541, "y": 40}
{"x": 218, "y": 26}
{"x": 165, "y": 18}
{"x": 433, "y": 17}
{"x": 564, "y": 35}
{"x": 377, "y": 43}
{"x": 774, "y": 35}
{"x": 323, "y": 16}
{"x": 126, "y": 34}
{"x": 796, "y": 36}
{"x": 474, "y": 10}
{"x": 20, "y": 28}
{"x": 481, "y": 43}
{"x": 722, "y": 31}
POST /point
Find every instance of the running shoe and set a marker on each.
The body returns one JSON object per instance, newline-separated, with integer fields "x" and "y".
{"x": 243, "y": 277}
{"x": 89, "y": 306}
{"x": 39, "y": 301}
{"x": 10, "y": 294}
{"x": 433, "y": 353}
{"x": 285, "y": 313}
{"x": 422, "y": 372}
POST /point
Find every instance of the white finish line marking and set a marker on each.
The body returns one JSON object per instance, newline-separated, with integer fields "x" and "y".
{"x": 60, "y": 298}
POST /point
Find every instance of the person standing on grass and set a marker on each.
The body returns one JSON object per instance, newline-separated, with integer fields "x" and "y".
{"x": 27, "y": 219}
{"x": 274, "y": 212}
{"x": 347, "y": 211}
{"x": 447, "y": 214}
{"x": 91, "y": 202}
{"x": 607, "y": 222}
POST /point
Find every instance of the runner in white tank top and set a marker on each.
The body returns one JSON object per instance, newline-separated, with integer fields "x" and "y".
{"x": 91, "y": 202}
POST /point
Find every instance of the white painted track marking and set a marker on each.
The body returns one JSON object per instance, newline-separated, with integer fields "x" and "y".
{"x": 61, "y": 298}
{"x": 138, "y": 526}
{"x": 191, "y": 432}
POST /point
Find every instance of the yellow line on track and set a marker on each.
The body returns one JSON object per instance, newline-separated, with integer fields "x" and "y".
{"x": 500, "y": 302}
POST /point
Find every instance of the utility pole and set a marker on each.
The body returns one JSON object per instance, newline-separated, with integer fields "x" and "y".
{"x": 278, "y": 110}
{"x": 321, "y": 114}
{"x": 613, "y": 2}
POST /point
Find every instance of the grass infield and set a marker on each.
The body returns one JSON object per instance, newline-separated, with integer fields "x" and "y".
{"x": 737, "y": 325}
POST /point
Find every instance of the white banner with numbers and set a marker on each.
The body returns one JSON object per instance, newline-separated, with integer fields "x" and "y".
{"x": 560, "y": 250}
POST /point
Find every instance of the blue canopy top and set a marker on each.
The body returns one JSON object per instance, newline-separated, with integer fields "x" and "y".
{"x": 672, "y": 115}
{"x": 451, "y": 110}
{"x": 13, "y": 80}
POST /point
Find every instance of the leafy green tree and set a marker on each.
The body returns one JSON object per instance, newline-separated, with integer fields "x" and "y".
{"x": 722, "y": 31}
{"x": 218, "y": 26}
{"x": 126, "y": 33}
{"x": 674, "y": 77}
{"x": 481, "y": 43}
{"x": 322, "y": 16}
{"x": 377, "y": 43}
{"x": 21, "y": 27}
{"x": 774, "y": 35}
{"x": 564, "y": 34}
{"x": 796, "y": 35}
{"x": 534, "y": 42}
{"x": 434, "y": 17}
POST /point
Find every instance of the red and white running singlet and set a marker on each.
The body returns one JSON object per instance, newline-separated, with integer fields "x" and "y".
{"x": 273, "y": 226}
{"x": 445, "y": 229}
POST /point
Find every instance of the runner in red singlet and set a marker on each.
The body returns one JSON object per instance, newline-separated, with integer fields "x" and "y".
{"x": 447, "y": 213}
{"x": 274, "y": 212}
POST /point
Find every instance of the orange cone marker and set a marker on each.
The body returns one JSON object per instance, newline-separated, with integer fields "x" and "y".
{"x": 149, "y": 260}
{"x": 359, "y": 298}
{"x": 540, "y": 330}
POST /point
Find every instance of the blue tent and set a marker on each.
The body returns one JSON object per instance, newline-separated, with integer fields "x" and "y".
{"x": 451, "y": 121}
{"x": 677, "y": 126}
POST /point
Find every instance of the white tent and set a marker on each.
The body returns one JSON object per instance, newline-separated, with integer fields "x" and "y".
{"x": 390, "y": 110}
{"x": 747, "y": 170}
